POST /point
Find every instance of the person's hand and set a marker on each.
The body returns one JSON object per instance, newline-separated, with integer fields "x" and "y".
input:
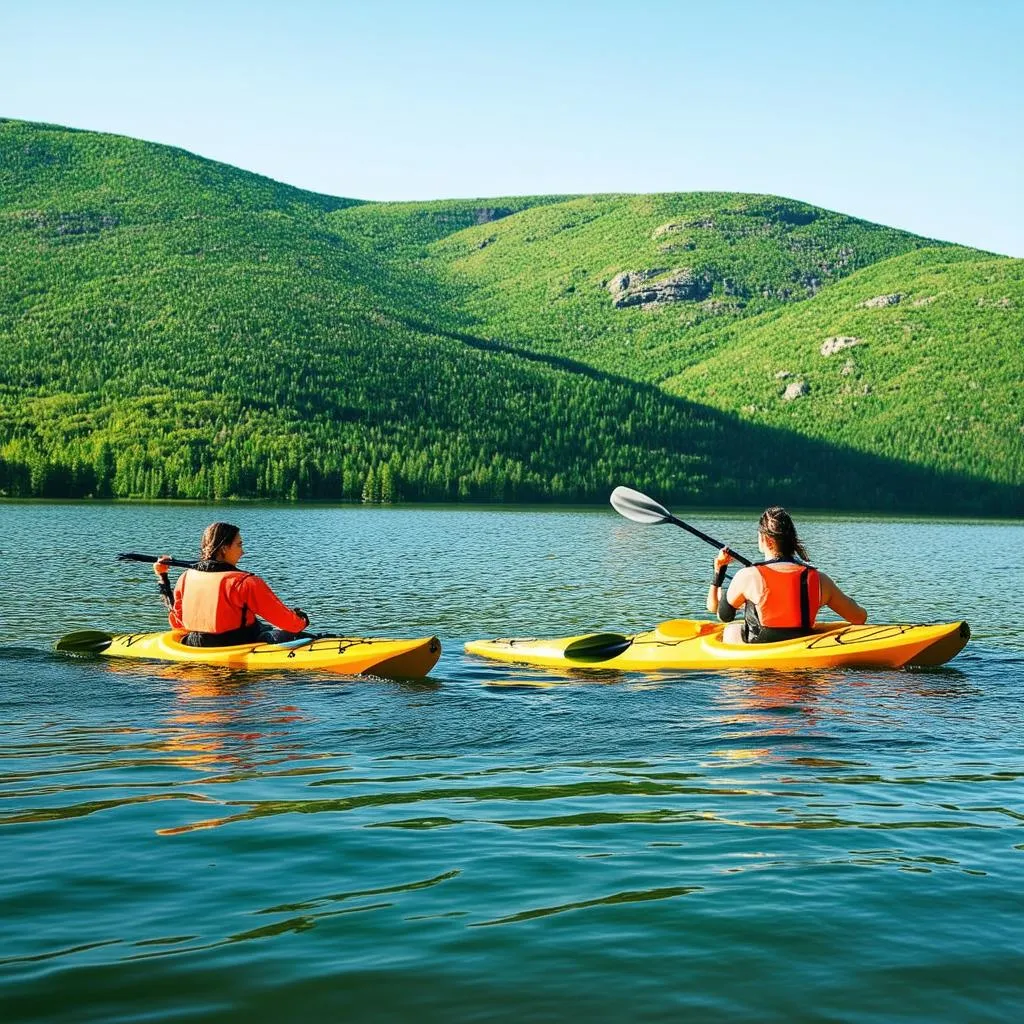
{"x": 160, "y": 566}
{"x": 299, "y": 611}
{"x": 722, "y": 559}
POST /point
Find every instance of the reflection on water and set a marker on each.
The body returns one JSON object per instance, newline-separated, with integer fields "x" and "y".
{"x": 501, "y": 843}
{"x": 618, "y": 897}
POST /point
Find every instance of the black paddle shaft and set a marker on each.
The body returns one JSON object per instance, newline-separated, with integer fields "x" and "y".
{"x": 708, "y": 540}
{"x": 131, "y": 556}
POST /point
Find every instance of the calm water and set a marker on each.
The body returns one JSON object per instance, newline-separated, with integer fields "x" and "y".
{"x": 187, "y": 844}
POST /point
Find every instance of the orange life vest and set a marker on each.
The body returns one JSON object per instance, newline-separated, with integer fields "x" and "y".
{"x": 792, "y": 595}
{"x": 206, "y": 606}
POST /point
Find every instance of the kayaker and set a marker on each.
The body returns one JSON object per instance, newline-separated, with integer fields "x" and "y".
{"x": 218, "y": 603}
{"x": 780, "y": 596}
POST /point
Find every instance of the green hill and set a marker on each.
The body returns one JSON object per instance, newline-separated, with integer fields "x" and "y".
{"x": 174, "y": 327}
{"x": 920, "y": 357}
{"x": 552, "y": 277}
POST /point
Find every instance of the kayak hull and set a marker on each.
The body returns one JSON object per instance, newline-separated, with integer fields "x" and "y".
{"x": 400, "y": 659}
{"x": 694, "y": 645}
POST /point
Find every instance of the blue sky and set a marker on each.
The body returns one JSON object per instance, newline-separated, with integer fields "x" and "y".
{"x": 907, "y": 113}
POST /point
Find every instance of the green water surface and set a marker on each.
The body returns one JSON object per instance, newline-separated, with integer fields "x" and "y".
{"x": 499, "y": 843}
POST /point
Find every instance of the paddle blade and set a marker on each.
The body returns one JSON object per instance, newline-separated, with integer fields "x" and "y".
{"x": 597, "y": 647}
{"x": 638, "y": 507}
{"x": 85, "y": 641}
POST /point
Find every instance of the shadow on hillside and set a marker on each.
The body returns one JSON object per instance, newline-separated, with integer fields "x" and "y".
{"x": 756, "y": 465}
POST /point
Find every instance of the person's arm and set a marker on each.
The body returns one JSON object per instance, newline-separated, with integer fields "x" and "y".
{"x": 722, "y": 560}
{"x": 732, "y": 599}
{"x": 261, "y": 600}
{"x": 170, "y": 598}
{"x": 842, "y": 604}
{"x": 163, "y": 584}
{"x": 174, "y": 612}
{"x": 721, "y": 601}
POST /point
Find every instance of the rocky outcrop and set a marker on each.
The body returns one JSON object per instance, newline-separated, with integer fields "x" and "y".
{"x": 458, "y": 219}
{"x": 880, "y": 301}
{"x": 666, "y": 229}
{"x": 837, "y": 263}
{"x": 647, "y": 288}
{"x": 485, "y": 214}
{"x": 681, "y": 225}
{"x": 720, "y": 307}
{"x": 830, "y": 346}
{"x": 682, "y": 245}
{"x": 797, "y": 389}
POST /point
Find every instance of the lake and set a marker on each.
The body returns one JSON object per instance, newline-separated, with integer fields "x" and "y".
{"x": 499, "y": 843}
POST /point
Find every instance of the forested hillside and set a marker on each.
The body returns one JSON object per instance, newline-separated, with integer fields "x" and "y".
{"x": 803, "y": 319}
{"x": 173, "y": 327}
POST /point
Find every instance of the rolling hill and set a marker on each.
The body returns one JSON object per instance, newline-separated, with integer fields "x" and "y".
{"x": 174, "y": 327}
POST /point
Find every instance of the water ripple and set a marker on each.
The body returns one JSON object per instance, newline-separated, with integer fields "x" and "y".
{"x": 603, "y": 901}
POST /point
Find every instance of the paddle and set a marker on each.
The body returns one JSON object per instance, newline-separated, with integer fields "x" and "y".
{"x": 95, "y": 641}
{"x": 131, "y": 556}
{"x": 85, "y": 641}
{"x": 597, "y": 647}
{"x": 641, "y": 509}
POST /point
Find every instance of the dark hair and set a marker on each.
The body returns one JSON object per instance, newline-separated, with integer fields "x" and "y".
{"x": 216, "y": 537}
{"x": 775, "y": 522}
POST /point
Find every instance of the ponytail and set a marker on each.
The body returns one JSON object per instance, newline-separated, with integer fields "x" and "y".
{"x": 216, "y": 537}
{"x": 776, "y": 523}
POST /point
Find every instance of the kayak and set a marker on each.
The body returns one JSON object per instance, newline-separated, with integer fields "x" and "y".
{"x": 691, "y": 644}
{"x": 402, "y": 659}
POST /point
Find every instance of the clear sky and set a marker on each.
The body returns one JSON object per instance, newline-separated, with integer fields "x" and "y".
{"x": 905, "y": 112}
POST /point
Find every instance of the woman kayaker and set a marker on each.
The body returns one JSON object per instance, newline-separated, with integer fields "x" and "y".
{"x": 218, "y": 603}
{"x": 780, "y": 596}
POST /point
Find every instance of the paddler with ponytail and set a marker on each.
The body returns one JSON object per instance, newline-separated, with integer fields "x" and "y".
{"x": 218, "y": 603}
{"x": 780, "y": 596}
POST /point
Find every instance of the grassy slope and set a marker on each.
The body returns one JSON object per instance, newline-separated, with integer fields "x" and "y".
{"x": 934, "y": 378}
{"x": 935, "y": 381}
{"x": 540, "y": 278}
{"x": 220, "y": 333}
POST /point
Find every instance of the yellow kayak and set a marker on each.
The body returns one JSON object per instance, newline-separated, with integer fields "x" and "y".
{"x": 690, "y": 644}
{"x": 401, "y": 659}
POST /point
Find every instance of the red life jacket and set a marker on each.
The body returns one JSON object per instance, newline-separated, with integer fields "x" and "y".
{"x": 205, "y": 603}
{"x": 792, "y": 595}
